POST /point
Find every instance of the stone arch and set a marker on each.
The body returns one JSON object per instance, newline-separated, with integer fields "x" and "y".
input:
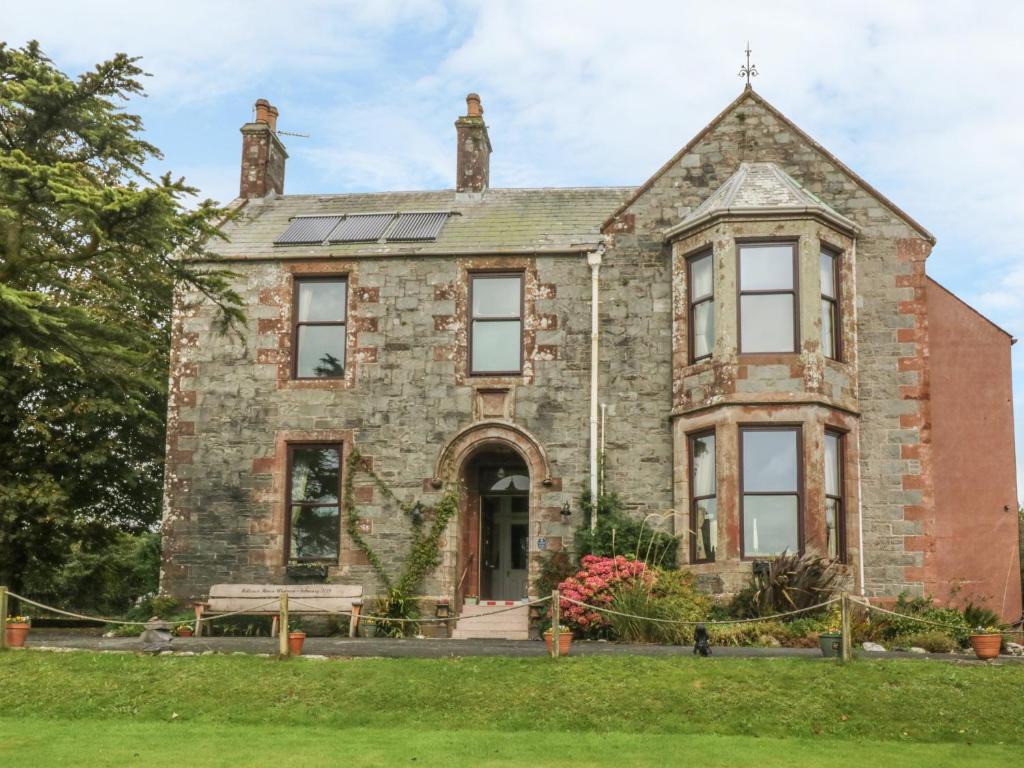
{"x": 478, "y": 436}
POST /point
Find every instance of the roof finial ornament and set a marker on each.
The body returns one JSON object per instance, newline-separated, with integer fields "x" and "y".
{"x": 750, "y": 70}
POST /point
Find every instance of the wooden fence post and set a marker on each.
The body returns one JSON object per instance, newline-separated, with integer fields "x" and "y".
{"x": 846, "y": 649}
{"x": 282, "y": 630}
{"x": 555, "y": 629}
{"x": 3, "y": 618}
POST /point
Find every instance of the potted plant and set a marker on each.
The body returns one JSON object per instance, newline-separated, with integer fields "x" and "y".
{"x": 564, "y": 639}
{"x": 17, "y": 630}
{"x": 369, "y": 627}
{"x": 831, "y": 642}
{"x": 296, "y": 637}
{"x": 183, "y": 630}
{"x": 986, "y": 642}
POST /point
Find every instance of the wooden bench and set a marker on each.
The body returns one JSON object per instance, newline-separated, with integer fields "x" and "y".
{"x": 265, "y": 600}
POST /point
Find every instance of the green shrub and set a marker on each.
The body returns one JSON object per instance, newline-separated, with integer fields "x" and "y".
{"x": 619, "y": 533}
{"x": 891, "y": 627}
{"x": 554, "y": 569}
{"x": 980, "y": 616}
{"x": 673, "y": 597}
{"x": 932, "y": 640}
{"x": 791, "y": 583}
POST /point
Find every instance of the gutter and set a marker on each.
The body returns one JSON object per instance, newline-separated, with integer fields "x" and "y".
{"x": 594, "y": 261}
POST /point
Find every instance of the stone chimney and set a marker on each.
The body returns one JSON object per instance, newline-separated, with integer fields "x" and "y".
{"x": 473, "y": 152}
{"x": 263, "y": 154}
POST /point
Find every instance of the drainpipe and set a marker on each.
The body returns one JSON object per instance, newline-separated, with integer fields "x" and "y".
{"x": 860, "y": 457}
{"x": 594, "y": 260}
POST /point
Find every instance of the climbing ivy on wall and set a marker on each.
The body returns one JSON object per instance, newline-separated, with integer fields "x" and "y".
{"x": 424, "y": 555}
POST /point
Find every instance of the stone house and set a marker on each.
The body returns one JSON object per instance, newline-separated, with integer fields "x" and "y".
{"x": 750, "y": 337}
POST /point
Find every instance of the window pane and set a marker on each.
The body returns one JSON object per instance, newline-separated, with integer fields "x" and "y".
{"x": 322, "y": 300}
{"x": 706, "y": 528}
{"x": 520, "y": 541}
{"x": 704, "y": 466}
{"x": 769, "y": 460}
{"x": 769, "y": 525}
{"x": 828, "y": 328}
{"x": 766, "y": 267}
{"x": 767, "y": 323}
{"x": 832, "y": 526}
{"x": 828, "y": 275}
{"x": 703, "y": 329}
{"x": 496, "y": 346}
{"x": 496, "y": 296}
{"x": 701, "y": 273}
{"x": 832, "y": 474}
{"x": 315, "y": 474}
{"x": 321, "y": 352}
{"x": 315, "y": 533}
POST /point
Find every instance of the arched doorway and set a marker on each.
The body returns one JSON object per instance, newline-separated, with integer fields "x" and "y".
{"x": 495, "y": 525}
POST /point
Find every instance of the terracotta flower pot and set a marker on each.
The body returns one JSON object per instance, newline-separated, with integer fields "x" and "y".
{"x": 564, "y": 641}
{"x": 184, "y": 633}
{"x": 295, "y": 641}
{"x": 16, "y": 634}
{"x": 986, "y": 646}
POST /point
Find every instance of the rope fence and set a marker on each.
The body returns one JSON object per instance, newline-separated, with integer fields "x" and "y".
{"x": 282, "y": 602}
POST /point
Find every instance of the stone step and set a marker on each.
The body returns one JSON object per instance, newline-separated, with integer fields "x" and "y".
{"x": 493, "y": 622}
{"x": 485, "y": 634}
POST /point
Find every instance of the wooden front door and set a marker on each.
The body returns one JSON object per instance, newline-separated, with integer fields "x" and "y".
{"x": 505, "y": 527}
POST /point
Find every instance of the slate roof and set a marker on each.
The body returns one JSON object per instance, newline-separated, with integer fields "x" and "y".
{"x": 499, "y": 220}
{"x": 760, "y": 188}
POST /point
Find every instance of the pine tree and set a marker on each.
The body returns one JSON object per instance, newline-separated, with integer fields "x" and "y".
{"x": 91, "y": 249}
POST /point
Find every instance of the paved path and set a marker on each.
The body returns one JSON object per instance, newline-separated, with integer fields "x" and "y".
{"x": 436, "y": 649}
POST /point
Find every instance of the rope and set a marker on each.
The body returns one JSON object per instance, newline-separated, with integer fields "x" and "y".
{"x": 396, "y": 620}
{"x": 706, "y": 622}
{"x": 73, "y": 615}
{"x": 958, "y": 627}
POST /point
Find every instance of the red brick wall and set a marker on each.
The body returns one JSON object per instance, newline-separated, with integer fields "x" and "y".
{"x": 975, "y": 541}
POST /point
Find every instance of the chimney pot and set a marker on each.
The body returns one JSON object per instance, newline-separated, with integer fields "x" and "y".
{"x": 262, "y": 111}
{"x": 272, "y": 118}
{"x": 473, "y": 107}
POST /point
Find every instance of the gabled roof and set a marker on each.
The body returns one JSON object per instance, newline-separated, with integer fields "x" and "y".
{"x": 758, "y": 189}
{"x": 750, "y": 93}
{"x": 498, "y": 221}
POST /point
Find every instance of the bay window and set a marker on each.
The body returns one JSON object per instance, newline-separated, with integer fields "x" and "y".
{"x": 771, "y": 472}
{"x": 768, "y": 297}
{"x": 830, "y": 328}
{"x": 835, "y": 528}
{"x": 703, "y": 499}
{"x": 700, "y": 287}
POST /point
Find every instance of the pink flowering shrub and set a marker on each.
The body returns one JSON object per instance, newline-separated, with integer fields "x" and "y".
{"x": 596, "y": 584}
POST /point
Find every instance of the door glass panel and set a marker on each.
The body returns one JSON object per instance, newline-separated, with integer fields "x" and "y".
{"x": 520, "y": 544}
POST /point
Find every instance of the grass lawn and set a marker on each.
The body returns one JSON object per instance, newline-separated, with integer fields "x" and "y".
{"x": 85, "y": 709}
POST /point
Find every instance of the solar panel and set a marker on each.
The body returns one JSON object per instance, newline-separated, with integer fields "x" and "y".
{"x": 360, "y": 228}
{"x": 417, "y": 226}
{"x": 308, "y": 230}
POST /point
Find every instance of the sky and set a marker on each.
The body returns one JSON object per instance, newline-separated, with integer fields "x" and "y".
{"x": 919, "y": 98}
